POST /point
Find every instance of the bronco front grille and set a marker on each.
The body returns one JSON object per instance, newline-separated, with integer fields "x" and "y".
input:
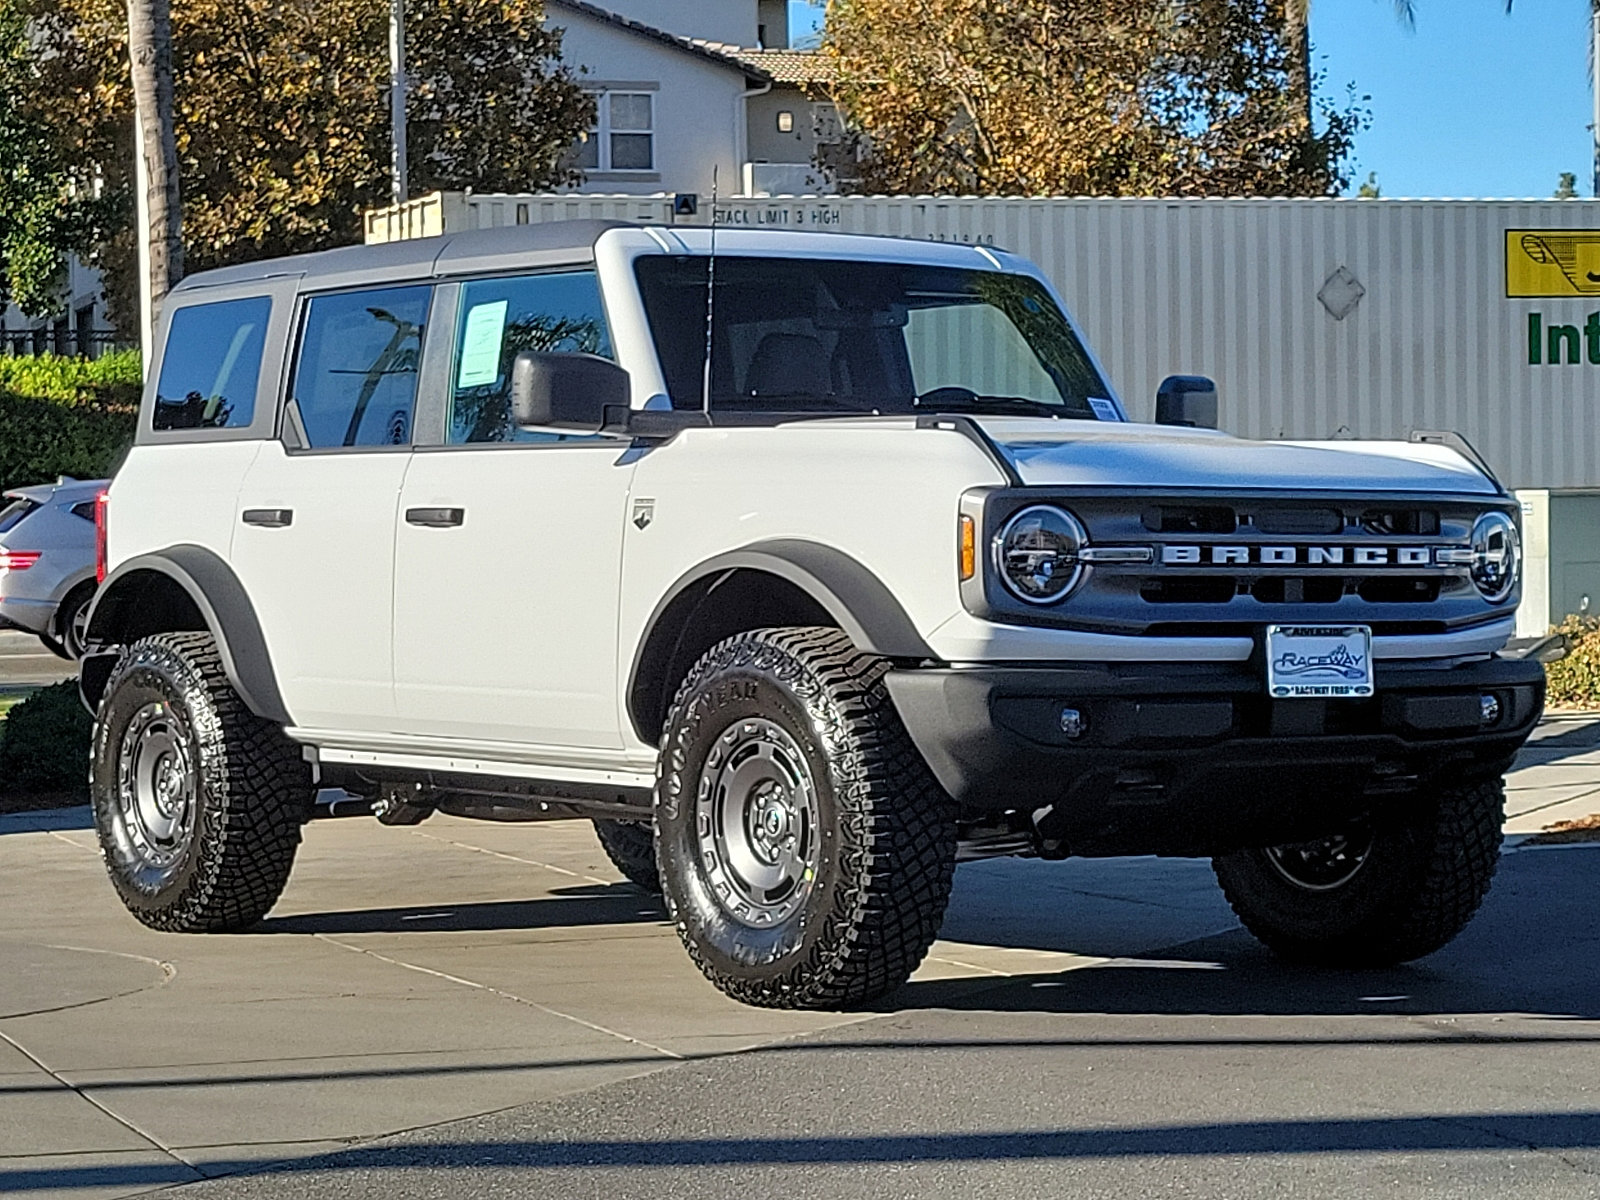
{"x": 1223, "y": 563}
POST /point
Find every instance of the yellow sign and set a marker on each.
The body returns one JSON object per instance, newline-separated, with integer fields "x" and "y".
{"x": 1552, "y": 262}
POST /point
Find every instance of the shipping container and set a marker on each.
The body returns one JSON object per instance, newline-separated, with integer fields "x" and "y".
{"x": 1318, "y": 318}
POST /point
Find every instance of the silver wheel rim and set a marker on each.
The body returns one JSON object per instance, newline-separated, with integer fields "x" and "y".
{"x": 756, "y": 823}
{"x": 78, "y": 629}
{"x": 155, "y": 786}
{"x": 1323, "y": 865}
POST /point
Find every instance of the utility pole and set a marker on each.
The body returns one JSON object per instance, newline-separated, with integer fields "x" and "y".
{"x": 1594, "y": 86}
{"x": 397, "y": 100}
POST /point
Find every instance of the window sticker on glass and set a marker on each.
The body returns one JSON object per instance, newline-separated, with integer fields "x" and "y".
{"x": 1104, "y": 410}
{"x": 480, "y": 345}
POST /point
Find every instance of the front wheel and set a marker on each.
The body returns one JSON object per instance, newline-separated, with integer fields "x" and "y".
{"x": 806, "y": 851}
{"x": 198, "y": 802}
{"x": 1388, "y": 890}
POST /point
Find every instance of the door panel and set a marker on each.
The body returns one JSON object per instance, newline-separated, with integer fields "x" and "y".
{"x": 507, "y": 563}
{"x": 313, "y": 543}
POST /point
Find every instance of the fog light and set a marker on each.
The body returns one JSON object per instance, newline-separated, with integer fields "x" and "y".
{"x": 1488, "y": 708}
{"x": 1073, "y": 723}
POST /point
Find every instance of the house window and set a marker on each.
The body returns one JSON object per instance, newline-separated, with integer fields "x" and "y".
{"x": 623, "y": 136}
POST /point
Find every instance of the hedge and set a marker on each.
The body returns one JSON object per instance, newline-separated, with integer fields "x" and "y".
{"x": 1574, "y": 681}
{"x": 65, "y": 416}
{"x": 110, "y": 381}
{"x": 44, "y": 747}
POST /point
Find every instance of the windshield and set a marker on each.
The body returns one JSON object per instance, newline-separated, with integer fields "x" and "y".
{"x": 845, "y": 336}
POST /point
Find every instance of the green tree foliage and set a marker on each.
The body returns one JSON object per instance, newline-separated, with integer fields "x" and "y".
{"x": 1090, "y": 97}
{"x": 1567, "y": 186}
{"x": 282, "y": 119}
{"x": 1371, "y": 189}
{"x": 65, "y": 416}
{"x": 45, "y": 212}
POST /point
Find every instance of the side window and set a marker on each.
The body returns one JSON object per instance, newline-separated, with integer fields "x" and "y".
{"x": 355, "y": 380}
{"x": 211, "y": 364}
{"x": 557, "y": 313}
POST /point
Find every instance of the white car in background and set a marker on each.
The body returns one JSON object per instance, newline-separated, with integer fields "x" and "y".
{"x": 47, "y": 561}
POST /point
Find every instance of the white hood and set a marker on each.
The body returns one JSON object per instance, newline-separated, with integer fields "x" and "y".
{"x": 1083, "y": 453}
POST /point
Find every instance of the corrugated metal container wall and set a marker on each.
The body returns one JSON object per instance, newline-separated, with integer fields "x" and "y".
{"x": 1230, "y": 288}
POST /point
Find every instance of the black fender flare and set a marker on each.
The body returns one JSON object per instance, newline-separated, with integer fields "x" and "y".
{"x": 846, "y": 590}
{"x": 224, "y": 606}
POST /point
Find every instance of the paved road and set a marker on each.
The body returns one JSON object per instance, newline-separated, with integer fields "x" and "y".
{"x": 465, "y": 1009}
{"x": 24, "y": 662}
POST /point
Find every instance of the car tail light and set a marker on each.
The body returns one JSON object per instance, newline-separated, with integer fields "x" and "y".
{"x": 18, "y": 560}
{"x": 102, "y": 503}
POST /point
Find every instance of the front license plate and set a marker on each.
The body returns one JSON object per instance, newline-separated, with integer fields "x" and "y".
{"x": 1322, "y": 661}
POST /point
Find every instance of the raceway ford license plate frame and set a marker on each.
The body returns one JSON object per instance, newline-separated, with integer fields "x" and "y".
{"x": 1319, "y": 662}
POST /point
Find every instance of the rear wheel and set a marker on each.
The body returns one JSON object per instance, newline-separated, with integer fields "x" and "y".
{"x": 631, "y": 847}
{"x": 197, "y": 801}
{"x": 1387, "y": 891}
{"x": 72, "y": 620}
{"x": 806, "y": 852}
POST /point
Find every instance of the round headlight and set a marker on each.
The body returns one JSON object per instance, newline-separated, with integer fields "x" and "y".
{"x": 1496, "y": 556}
{"x": 1038, "y": 554}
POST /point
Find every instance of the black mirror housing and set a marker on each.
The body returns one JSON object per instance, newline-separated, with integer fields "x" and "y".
{"x": 583, "y": 393}
{"x": 1188, "y": 400}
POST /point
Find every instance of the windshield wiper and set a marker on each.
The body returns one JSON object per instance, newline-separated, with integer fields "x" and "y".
{"x": 962, "y": 401}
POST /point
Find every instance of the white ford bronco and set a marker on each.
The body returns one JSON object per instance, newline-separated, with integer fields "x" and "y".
{"x": 802, "y": 586}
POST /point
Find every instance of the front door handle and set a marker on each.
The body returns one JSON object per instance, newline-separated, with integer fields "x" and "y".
{"x": 436, "y": 518}
{"x": 269, "y": 518}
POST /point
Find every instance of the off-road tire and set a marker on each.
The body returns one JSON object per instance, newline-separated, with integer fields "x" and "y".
{"x": 1427, "y": 872}
{"x": 250, "y": 791}
{"x": 886, "y": 829}
{"x": 631, "y": 847}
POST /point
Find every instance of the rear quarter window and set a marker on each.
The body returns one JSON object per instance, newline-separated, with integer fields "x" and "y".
{"x": 11, "y": 514}
{"x": 211, "y": 365}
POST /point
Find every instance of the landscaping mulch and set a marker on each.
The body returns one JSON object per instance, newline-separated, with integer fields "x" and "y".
{"x": 1566, "y": 833}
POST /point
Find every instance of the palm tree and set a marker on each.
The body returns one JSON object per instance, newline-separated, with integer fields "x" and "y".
{"x": 1297, "y": 15}
{"x": 150, "y": 60}
{"x": 1594, "y": 51}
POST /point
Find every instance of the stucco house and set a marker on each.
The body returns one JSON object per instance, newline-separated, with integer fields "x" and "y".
{"x": 685, "y": 89}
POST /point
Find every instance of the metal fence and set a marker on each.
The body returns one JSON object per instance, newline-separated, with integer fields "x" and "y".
{"x": 78, "y": 343}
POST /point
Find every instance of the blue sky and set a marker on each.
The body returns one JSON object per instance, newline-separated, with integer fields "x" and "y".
{"x": 1473, "y": 103}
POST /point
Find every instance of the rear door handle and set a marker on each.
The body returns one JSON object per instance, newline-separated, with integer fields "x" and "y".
{"x": 269, "y": 518}
{"x": 436, "y": 518}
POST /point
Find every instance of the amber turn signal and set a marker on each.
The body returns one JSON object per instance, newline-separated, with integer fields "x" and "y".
{"x": 969, "y": 550}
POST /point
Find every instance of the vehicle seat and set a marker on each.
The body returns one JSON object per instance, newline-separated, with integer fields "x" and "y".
{"x": 787, "y": 364}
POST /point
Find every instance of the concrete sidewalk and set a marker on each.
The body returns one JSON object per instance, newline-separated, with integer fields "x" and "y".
{"x": 416, "y": 976}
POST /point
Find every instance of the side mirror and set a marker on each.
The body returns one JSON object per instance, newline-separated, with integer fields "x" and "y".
{"x": 567, "y": 391}
{"x": 1189, "y": 400}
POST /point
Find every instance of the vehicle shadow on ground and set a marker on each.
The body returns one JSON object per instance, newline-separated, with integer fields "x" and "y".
{"x": 617, "y": 904}
{"x": 45, "y": 820}
{"x": 1534, "y": 948}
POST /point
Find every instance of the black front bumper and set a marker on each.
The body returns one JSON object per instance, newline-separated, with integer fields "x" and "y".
{"x": 1196, "y": 758}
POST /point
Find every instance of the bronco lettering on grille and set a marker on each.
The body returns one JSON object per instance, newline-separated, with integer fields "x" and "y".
{"x": 1290, "y": 556}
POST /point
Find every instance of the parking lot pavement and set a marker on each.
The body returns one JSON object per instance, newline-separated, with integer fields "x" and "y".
{"x": 462, "y": 1009}
{"x": 25, "y": 663}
